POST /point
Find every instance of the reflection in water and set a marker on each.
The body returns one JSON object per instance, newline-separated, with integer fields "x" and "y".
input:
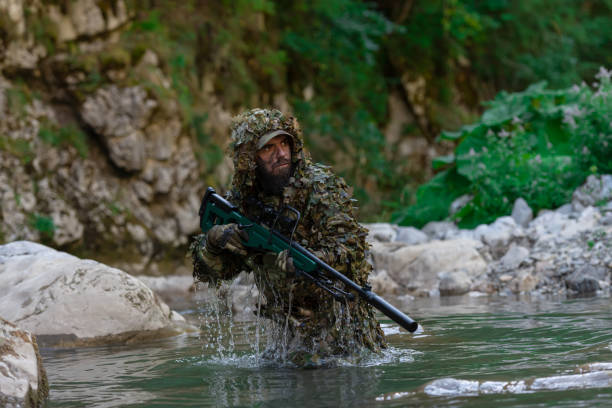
{"x": 277, "y": 387}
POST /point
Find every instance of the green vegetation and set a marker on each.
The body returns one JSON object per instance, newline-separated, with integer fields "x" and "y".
{"x": 43, "y": 224}
{"x": 19, "y": 148}
{"x": 68, "y": 135}
{"x": 538, "y": 144}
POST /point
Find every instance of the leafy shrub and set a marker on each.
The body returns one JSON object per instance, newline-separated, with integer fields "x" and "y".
{"x": 538, "y": 144}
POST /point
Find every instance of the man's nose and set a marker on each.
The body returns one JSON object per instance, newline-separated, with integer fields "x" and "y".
{"x": 281, "y": 153}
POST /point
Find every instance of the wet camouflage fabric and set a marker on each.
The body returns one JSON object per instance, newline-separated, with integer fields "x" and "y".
{"x": 316, "y": 325}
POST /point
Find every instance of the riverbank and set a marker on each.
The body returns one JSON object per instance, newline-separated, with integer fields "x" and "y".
{"x": 562, "y": 252}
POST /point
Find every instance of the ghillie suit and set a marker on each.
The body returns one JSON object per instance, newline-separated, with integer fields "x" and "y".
{"x": 315, "y": 326}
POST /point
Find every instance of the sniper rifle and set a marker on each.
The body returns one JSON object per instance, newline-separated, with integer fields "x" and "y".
{"x": 215, "y": 210}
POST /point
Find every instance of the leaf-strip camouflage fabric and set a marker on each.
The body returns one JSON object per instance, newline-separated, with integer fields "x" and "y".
{"x": 316, "y": 326}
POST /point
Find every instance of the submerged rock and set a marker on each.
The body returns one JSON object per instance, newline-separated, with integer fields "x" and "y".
{"x": 23, "y": 381}
{"x": 67, "y": 301}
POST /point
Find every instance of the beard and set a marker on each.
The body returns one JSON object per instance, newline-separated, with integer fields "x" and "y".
{"x": 273, "y": 184}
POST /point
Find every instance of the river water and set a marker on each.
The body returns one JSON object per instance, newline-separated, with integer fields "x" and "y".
{"x": 471, "y": 351}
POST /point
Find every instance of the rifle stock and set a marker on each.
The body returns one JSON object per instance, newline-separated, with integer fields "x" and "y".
{"x": 215, "y": 210}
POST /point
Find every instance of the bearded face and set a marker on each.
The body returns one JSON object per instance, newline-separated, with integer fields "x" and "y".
{"x": 274, "y": 168}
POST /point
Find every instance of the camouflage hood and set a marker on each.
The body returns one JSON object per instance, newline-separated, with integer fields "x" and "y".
{"x": 247, "y": 130}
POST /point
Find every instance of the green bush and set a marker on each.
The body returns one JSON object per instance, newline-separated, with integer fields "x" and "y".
{"x": 539, "y": 144}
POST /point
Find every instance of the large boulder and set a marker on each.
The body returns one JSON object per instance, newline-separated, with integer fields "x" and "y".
{"x": 23, "y": 381}
{"x": 420, "y": 268}
{"x": 69, "y": 301}
{"x": 119, "y": 116}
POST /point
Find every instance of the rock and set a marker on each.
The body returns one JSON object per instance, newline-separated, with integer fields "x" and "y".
{"x": 439, "y": 229}
{"x": 143, "y": 190}
{"x": 86, "y": 17}
{"x": 547, "y": 223}
{"x": 164, "y": 179}
{"x": 513, "y": 258}
{"x": 188, "y": 219}
{"x": 382, "y": 284}
{"x": 381, "y": 232}
{"x": 566, "y": 209}
{"x": 411, "y": 236}
{"x": 23, "y": 381}
{"x": 459, "y": 203}
{"x": 167, "y": 284}
{"x": 582, "y": 284}
{"x": 166, "y": 231}
{"x": 176, "y": 290}
{"x": 455, "y": 283}
{"x": 13, "y": 12}
{"x": 69, "y": 301}
{"x": 587, "y": 279}
{"x": 161, "y": 138}
{"x": 607, "y": 219}
{"x": 500, "y": 234}
{"x": 522, "y": 213}
{"x": 596, "y": 190}
{"x": 119, "y": 116}
{"x": 128, "y": 152}
{"x": 523, "y": 282}
{"x": 417, "y": 267}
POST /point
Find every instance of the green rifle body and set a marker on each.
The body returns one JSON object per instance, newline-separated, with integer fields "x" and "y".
{"x": 215, "y": 210}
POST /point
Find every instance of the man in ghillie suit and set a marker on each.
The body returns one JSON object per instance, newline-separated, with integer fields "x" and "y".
{"x": 272, "y": 168}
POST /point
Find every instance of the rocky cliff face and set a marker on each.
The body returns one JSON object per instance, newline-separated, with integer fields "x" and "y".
{"x": 94, "y": 154}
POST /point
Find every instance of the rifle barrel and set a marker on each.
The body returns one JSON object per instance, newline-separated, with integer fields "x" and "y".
{"x": 378, "y": 302}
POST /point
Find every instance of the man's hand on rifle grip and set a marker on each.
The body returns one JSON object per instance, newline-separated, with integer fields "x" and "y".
{"x": 284, "y": 262}
{"x": 226, "y": 237}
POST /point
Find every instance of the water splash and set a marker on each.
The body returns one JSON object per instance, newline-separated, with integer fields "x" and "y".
{"x": 276, "y": 342}
{"x": 216, "y": 322}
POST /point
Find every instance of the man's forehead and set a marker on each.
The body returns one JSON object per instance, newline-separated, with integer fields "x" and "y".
{"x": 266, "y": 138}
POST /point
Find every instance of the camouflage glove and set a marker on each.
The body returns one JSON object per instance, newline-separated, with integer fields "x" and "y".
{"x": 284, "y": 262}
{"x": 226, "y": 238}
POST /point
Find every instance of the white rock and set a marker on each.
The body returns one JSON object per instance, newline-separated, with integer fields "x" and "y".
{"x": 439, "y": 229}
{"x": 381, "y": 232}
{"x": 459, "y": 203}
{"x": 513, "y": 258}
{"x": 87, "y": 17}
{"x": 500, "y": 234}
{"x": 23, "y": 380}
{"x": 522, "y": 213}
{"x": 382, "y": 284}
{"x": 416, "y": 267}
{"x": 595, "y": 190}
{"x": 60, "y": 297}
{"x": 411, "y": 236}
{"x": 455, "y": 283}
